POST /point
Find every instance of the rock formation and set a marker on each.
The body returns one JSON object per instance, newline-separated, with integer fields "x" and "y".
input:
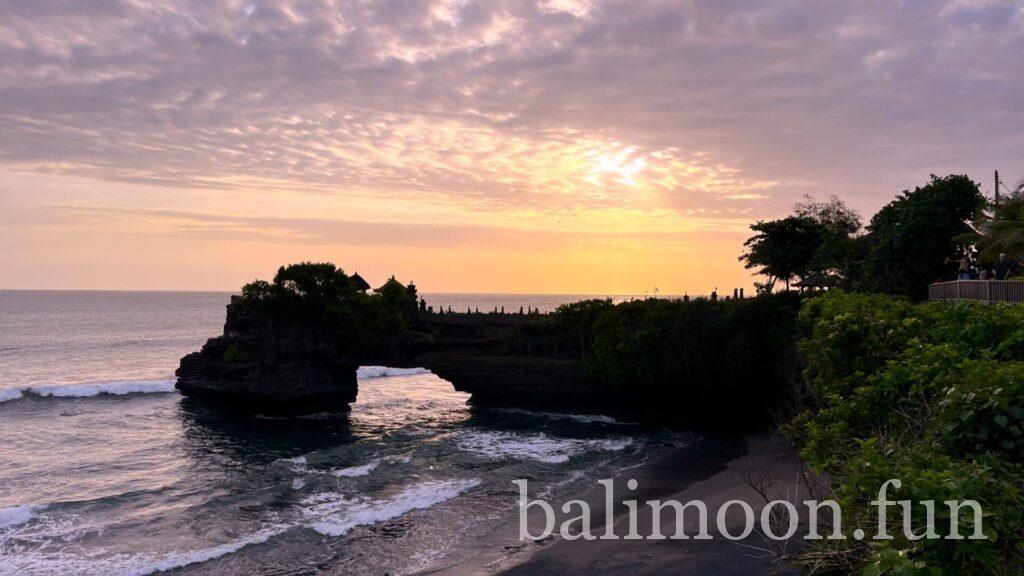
{"x": 503, "y": 359}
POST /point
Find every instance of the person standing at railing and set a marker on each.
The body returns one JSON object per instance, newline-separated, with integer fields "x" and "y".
{"x": 964, "y": 272}
{"x": 1003, "y": 267}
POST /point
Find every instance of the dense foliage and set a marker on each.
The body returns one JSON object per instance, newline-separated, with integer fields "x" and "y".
{"x": 910, "y": 243}
{"x": 816, "y": 239}
{"x": 711, "y": 362}
{"x": 1002, "y": 231}
{"x": 912, "y": 239}
{"x": 931, "y": 394}
{"x": 320, "y": 300}
{"x": 782, "y": 249}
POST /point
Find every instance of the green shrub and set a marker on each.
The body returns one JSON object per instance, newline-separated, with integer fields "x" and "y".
{"x": 730, "y": 363}
{"x": 983, "y": 410}
{"x": 320, "y": 299}
{"x": 931, "y": 394}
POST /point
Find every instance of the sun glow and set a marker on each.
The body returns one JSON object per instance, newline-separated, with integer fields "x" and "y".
{"x": 622, "y": 166}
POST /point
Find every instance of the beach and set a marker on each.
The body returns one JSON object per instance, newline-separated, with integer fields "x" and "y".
{"x": 711, "y": 470}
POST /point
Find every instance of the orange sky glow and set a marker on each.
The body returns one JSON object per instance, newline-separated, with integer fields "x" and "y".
{"x": 566, "y": 146}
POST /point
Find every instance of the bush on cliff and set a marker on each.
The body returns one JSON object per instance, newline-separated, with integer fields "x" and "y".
{"x": 320, "y": 301}
{"x": 700, "y": 361}
{"x": 930, "y": 394}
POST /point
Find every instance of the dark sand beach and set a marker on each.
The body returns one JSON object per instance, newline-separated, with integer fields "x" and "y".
{"x": 711, "y": 470}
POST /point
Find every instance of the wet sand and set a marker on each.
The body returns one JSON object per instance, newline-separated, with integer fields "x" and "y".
{"x": 711, "y": 470}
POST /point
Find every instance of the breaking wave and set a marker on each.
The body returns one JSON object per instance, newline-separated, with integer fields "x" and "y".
{"x": 90, "y": 389}
{"x": 354, "y": 471}
{"x": 367, "y": 372}
{"x": 39, "y": 563}
{"x": 540, "y": 447}
{"x": 584, "y": 418}
{"x": 334, "y": 514}
{"x": 118, "y": 388}
{"x": 16, "y": 515}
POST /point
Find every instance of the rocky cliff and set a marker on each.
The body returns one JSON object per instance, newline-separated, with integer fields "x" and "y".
{"x": 294, "y": 345}
{"x": 272, "y": 366}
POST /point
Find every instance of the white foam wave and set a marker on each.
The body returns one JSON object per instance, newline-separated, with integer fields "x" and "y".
{"x": 585, "y": 418}
{"x": 16, "y": 515}
{"x": 9, "y": 394}
{"x": 329, "y": 513}
{"x": 540, "y": 447}
{"x": 354, "y": 471}
{"x": 91, "y": 389}
{"x": 182, "y": 559}
{"x": 59, "y": 562}
{"x": 298, "y": 463}
{"x": 366, "y": 372}
{"x": 335, "y": 514}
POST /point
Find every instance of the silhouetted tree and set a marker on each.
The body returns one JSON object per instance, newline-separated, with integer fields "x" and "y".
{"x": 1001, "y": 230}
{"x": 839, "y": 225}
{"x": 911, "y": 239}
{"x": 782, "y": 249}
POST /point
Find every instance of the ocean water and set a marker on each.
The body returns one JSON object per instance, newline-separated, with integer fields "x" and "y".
{"x": 106, "y": 470}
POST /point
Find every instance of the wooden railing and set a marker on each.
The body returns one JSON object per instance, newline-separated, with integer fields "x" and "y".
{"x": 980, "y": 290}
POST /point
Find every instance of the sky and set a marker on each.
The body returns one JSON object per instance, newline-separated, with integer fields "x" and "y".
{"x": 535, "y": 146}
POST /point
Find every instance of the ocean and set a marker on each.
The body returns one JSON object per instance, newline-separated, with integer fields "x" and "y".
{"x": 105, "y": 470}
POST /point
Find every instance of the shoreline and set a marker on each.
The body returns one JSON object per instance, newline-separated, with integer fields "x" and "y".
{"x": 709, "y": 470}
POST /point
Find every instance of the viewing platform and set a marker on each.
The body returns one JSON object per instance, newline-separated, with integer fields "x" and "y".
{"x": 1011, "y": 291}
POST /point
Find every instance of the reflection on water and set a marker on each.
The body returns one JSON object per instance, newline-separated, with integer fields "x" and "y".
{"x": 237, "y": 440}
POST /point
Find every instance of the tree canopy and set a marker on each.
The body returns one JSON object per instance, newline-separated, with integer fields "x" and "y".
{"x": 318, "y": 296}
{"x": 1002, "y": 231}
{"x": 912, "y": 239}
{"x": 816, "y": 239}
{"x": 906, "y": 246}
{"x": 782, "y": 249}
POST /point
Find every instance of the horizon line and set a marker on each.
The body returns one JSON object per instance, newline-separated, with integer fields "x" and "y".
{"x": 193, "y": 291}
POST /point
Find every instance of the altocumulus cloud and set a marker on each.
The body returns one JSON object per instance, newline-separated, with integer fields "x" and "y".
{"x": 711, "y": 107}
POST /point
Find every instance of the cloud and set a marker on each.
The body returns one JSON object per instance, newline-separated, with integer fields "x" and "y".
{"x": 72, "y": 220}
{"x": 711, "y": 108}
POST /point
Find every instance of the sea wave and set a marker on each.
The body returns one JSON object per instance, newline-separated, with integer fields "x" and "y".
{"x": 40, "y": 563}
{"x": 354, "y": 471}
{"x": 367, "y": 372}
{"x": 584, "y": 418}
{"x": 334, "y": 514}
{"x": 329, "y": 513}
{"x": 144, "y": 567}
{"x": 15, "y": 515}
{"x": 89, "y": 389}
{"x": 540, "y": 447}
{"x": 298, "y": 463}
{"x": 10, "y": 394}
{"x": 118, "y": 388}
